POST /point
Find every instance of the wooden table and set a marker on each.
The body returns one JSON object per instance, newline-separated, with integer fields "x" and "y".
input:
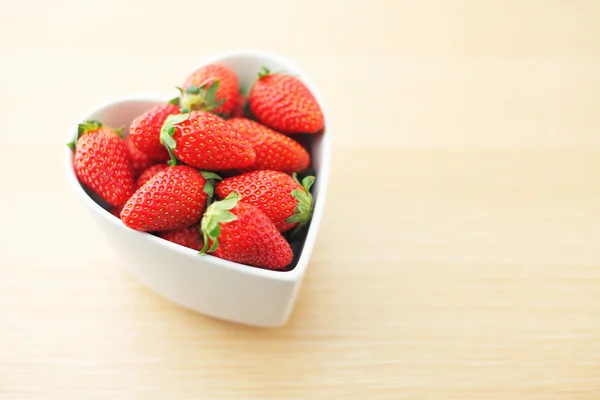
{"x": 460, "y": 255}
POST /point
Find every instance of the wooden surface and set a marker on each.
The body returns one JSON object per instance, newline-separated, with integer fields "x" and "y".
{"x": 460, "y": 253}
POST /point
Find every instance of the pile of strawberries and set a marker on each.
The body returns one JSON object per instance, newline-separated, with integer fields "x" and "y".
{"x": 213, "y": 170}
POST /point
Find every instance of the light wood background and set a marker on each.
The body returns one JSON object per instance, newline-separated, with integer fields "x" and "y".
{"x": 460, "y": 254}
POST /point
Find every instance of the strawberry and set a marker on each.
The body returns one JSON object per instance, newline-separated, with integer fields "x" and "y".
{"x": 284, "y": 103}
{"x": 145, "y": 131}
{"x": 101, "y": 162}
{"x": 239, "y": 109}
{"x": 175, "y": 198}
{"x": 188, "y": 237}
{"x": 205, "y": 141}
{"x": 197, "y": 96}
{"x": 239, "y": 232}
{"x": 139, "y": 160}
{"x": 281, "y": 197}
{"x": 273, "y": 150}
{"x": 149, "y": 173}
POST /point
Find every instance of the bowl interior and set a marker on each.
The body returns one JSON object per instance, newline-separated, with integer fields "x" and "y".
{"x": 121, "y": 112}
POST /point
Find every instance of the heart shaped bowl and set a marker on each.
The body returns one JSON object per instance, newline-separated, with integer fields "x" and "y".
{"x": 204, "y": 283}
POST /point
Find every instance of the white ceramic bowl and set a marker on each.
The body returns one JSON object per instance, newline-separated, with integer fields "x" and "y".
{"x": 205, "y": 283}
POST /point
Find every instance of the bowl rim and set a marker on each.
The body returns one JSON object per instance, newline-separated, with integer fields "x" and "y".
{"x": 323, "y": 181}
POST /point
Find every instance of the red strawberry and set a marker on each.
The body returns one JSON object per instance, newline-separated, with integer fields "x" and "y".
{"x": 101, "y": 162}
{"x": 285, "y": 104}
{"x": 241, "y": 233}
{"x": 139, "y": 160}
{"x": 145, "y": 131}
{"x": 206, "y": 141}
{"x": 278, "y": 195}
{"x": 149, "y": 173}
{"x": 175, "y": 198}
{"x": 187, "y": 237}
{"x": 196, "y": 95}
{"x": 239, "y": 110}
{"x": 273, "y": 150}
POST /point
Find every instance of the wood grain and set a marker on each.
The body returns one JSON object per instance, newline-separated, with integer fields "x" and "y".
{"x": 459, "y": 257}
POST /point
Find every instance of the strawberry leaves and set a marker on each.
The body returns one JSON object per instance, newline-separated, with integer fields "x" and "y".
{"x": 202, "y": 98}
{"x": 303, "y": 210}
{"x": 168, "y": 130}
{"x": 209, "y": 185}
{"x": 85, "y": 126}
{"x": 217, "y": 213}
{"x": 264, "y": 72}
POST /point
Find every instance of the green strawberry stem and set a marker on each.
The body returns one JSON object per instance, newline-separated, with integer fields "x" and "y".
{"x": 264, "y": 72}
{"x": 168, "y": 130}
{"x": 303, "y": 210}
{"x": 217, "y": 213}
{"x": 85, "y": 126}
{"x": 203, "y": 98}
{"x": 209, "y": 185}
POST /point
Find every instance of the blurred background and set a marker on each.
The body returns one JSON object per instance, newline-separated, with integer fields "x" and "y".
{"x": 491, "y": 72}
{"x": 458, "y": 258}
